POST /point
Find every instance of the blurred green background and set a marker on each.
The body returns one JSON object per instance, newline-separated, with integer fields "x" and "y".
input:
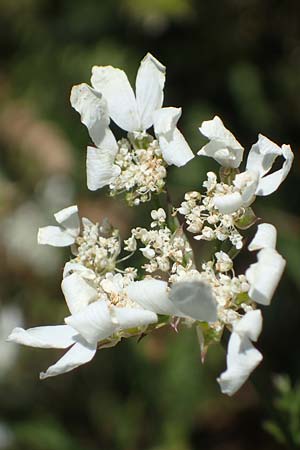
{"x": 239, "y": 59}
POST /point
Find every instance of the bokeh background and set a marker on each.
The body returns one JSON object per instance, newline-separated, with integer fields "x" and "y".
{"x": 239, "y": 59}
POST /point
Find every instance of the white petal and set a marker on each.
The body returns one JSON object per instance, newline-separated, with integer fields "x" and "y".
{"x": 133, "y": 317}
{"x": 55, "y": 236}
{"x": 80, "y": 353}
{"x": 265, "y": 237}
{"x": 93, "y": 110}
{"x": 80, "y": 269}
{"x": 265, "y": 275}
{"x": 57, "y": 336}
{"x": 114, "y": 85}
{"x": 247, "y": 183}
{"x": 249, "y": 325}
{"x": 224, "y": 147}
{"x": 78, "y": 292}
{"x": 270, "y": 183}
{"x": 242, "y": 359}
{"x": 195, "y": 299}
{"x": 175, "y": 150}
{"x": 94, "y": 322}
{"x": 152, "y": 295}
{"x": 100, "y": 167}
{"x": 150, "y": 82}
{"x": 262, "y": 155}
{"x": 68, "y": 218}
{"x": 228, "y": 203}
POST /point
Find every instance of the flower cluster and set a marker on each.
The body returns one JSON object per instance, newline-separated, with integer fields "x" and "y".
{"x": 168, "y": 286}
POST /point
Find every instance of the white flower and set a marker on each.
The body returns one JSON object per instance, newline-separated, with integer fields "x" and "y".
{"x": 185, "y": 299}
{"x": 242, "y": 356}
{"x": 112, "y": 97}
{"x": 255, "y": 180}
{"x": 91, "y": 321}
{"x": 223, "y": 146}
{"x": 65, "y": 234}
{"x": 264, "y": 275}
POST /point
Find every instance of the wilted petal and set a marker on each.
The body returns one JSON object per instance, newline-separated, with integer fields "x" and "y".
{"x": 68, "y": 218}
{"x": 57, "y": 336}
{"x": 133, "y": 317}
{"x": 79, "y": 354}
{"x": 152, "y": 295}
{"x": 113, "y": 84}
{"x": 242, "y": 359}
{"x": 195, "y": 299}
{"x": 55, "y": 236}
{"x": 150, "y": 82}
{"x": 265, "y": 237}
{"x": 78, "y": 292}
{"x": 249, "y": 325}
{"x": 94, "y": 322}
{"x": 264, "y": 275}
{"x": 100, "y": 167}
{"x": 93, "y": 110}
{"x": 175, "y": 150}
{"x": 228, "y": 203}
{"x": 223, "y": 146}
{"x": 270, "y": 183}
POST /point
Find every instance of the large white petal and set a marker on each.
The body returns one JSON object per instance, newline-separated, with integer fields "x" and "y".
{"x": 56, "y": 336}
{"x": 262, "y": 155}
{"x": 249, "y": 325}
{"x": 224, "y": 147}
{"x": 55, "y": 236}
{"x": 195, "y": 299}
{"x": 78, "y": 292}
{"x": 94, "y": 322}
{"x": 68, "y": 218}
{"x": 93, "y": 110}
{"x": 175, "y": 150}
{"x": 80, "y": 353}
{"x": 264, "y": 275}
{"x": 265, "y": 237}
{"x": 270, "y": 183}
{"x": 242, "y": 359}
{"x": 152, "y": 295}
{"x": 228, "y": 203}
{"x": 114, "y": 85}
{"x": 100, "y": 167}
{"x": 150, "y": 82}
{"x": 133, "y": 317}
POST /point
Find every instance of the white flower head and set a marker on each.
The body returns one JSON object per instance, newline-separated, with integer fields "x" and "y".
{"x": 113, "y": 97}
{"x": 222, "y": 146}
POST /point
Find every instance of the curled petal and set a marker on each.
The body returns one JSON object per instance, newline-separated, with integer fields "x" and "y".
{"x": 242, "y": 359}
{"x": 152, "y": 295}
{"x": 228, "y": 203}
{"x": 55, "y": 236}
{"x": 265, "y": 237}
{"x": 150, "y": 82}
{"x": 68, "y": 218}
{"x": 264, "y": 275}
{"x": 94, "y": 322}
{"x": 223, "y": 146}
{"x": 80, "y": 353}
{"x": 175, "y": 150}
{"x": 100, "y": 167}
{"x": 133, "y": 317}
{"x": 57, "y": 336}
{"x": 249, "y": 325}
{"x": 113, "y": 84}
{"x": 194, "y": 299}
{"x": 78, "y": 292}
{"x": 92, "y": 107}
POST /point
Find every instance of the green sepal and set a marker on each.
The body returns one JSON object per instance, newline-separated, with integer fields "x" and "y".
{"x": 206, "y": 337}
{"x": 247, "y": 220}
